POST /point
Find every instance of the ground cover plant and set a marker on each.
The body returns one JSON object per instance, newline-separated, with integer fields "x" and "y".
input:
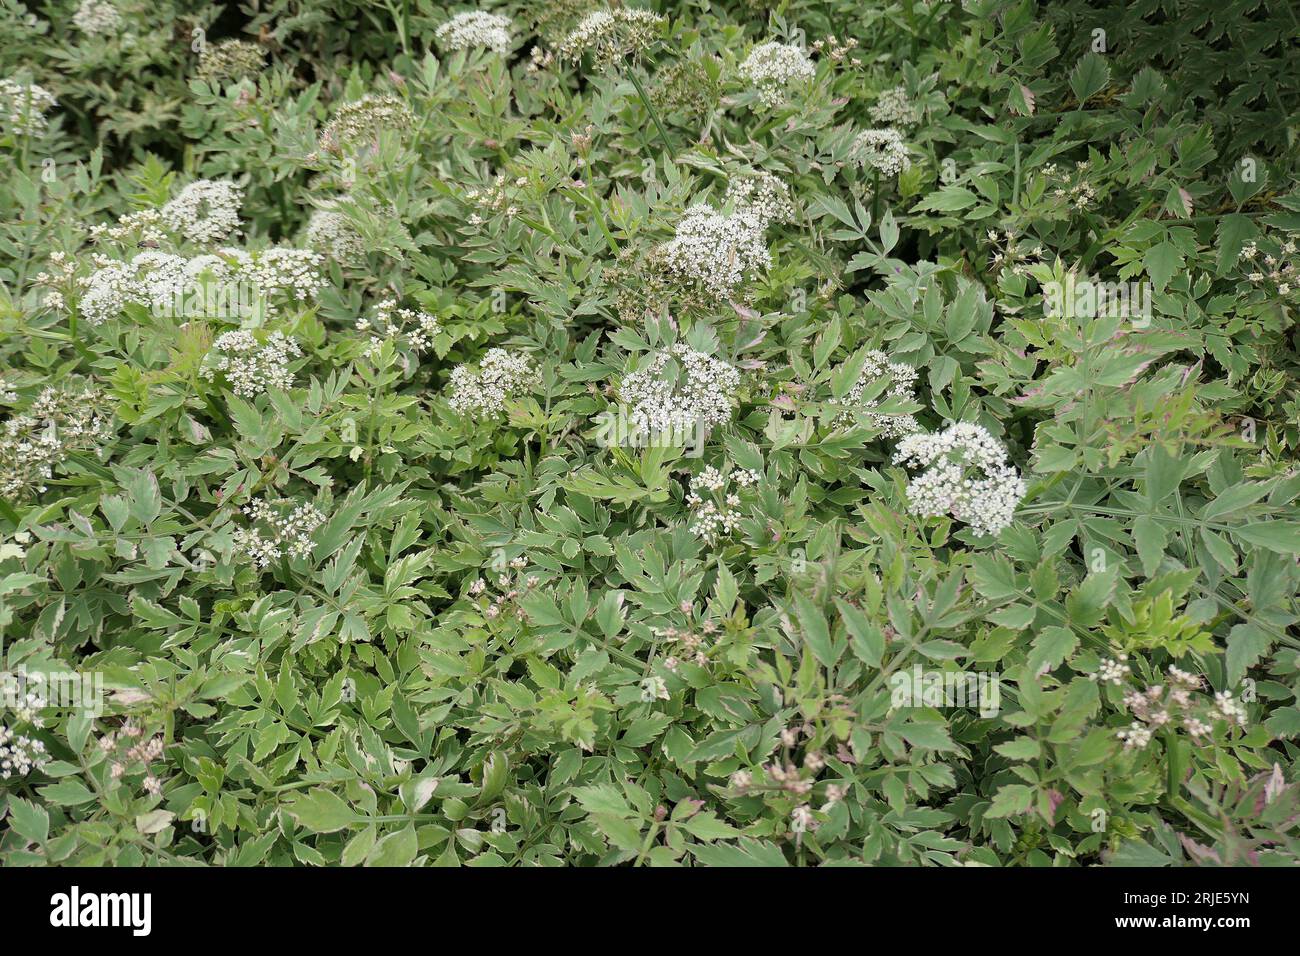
{"x": 667, "y": 434}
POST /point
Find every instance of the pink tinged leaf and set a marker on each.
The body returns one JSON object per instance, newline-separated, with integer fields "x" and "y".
{"x": 1197, "y": 851}
{"x": 1276, "y": 784}
{"x": 1030, "y": 99}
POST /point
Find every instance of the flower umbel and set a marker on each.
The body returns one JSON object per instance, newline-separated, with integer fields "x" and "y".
{"x": 771, "y": 67}
{"x": 475, "y": 29}
{"x": 205, "y": 211}
{"x": 680, "y": 389}
{"x": 882, "y": 150}
{"x": 966, "y": 475}
{"x": 483, "y": 393}
{"x": 277, "y": 528}
{"x": 250, "y": 366}
{"x": 902, "y": 381}
{"x": 612, "y": 35}
{"x": 717, "y": 251}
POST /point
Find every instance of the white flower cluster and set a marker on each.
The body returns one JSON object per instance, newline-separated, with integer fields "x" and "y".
{"x": 19, "y": 755}
{"x": 483, "y": 393}
{"x": 331, "y": 233}
{"x": 771, "y": 67}
{"x": 364, "y": 119}
{"x": 1113, "y": 670}
{"x": 23, "y": 107}
{"x": 763, "y": 195}
{"x": 491, "y": 200}
{"x": 149, "y": 279}
{"x": 895, "y": 108}
{"x": 205, "y": 211}
{"x": 277, "y": 529}
{"x": 679, "y": 390}
{"x": 1075, "y": 188}
{"x": 611, "y": 35}
{"x": 718, "y": 252}
{"x": 35, "y": 442}
{"x": 26, "y": 704}
{"x": 1278, "y": 270}
{"x": 715, "y": 505}
{"x": 475, "y": 29}
{"x": 881, "y": 149}
{"x": 986, "y": 500}
{"x": 411, "y": 327}
{"x": 162, "y": 280}
{"x": 140, "y": 227}
{"x": 281, "y": 271}
{"x": 97, "y": 18}
{"x": 250, "y": 366}
{"x": 902, "y": 382}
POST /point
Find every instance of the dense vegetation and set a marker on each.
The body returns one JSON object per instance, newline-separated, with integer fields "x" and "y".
{"x": 681, "y": 434}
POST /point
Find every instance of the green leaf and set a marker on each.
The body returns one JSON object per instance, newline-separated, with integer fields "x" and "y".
{"x": 1280, "y": 536}
{"x": 1011, "y": 800}
{"x": 396, "y": 849}
{"x": 29, "y": 820}
{"x": 1089, "y": 77}
{"x": 813, "y": 629}
{"x": 322, "y": 811}
{"x": 1162, "y": 261}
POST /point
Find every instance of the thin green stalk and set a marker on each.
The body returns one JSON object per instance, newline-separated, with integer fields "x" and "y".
{"x": 1015, "y": 189}
{"x": 654, "y": 114}
{"x": 593, "y": 203}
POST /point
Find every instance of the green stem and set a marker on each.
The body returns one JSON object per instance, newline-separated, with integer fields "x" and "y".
{"x": 597, "y": 211}
{"x": 654, "y": 115}
{"x": 1015, "y": 190}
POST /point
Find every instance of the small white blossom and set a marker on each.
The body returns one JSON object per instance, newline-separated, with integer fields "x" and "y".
{"x": 251, "y": 367}
{"x": 1113, "y": 671}
{"x": 894, "y": 108}
{"x": 611, "y": 35}
{"x": 205, "y": 211}
{"x": 679, "y": 390}
{"x": 97, "y": 18}
{"x": 500, "y": 376}
{"x": 902, "y": 381}
{"x": 277, "y": 529}
{"x": 718, "y": 252}
{"x": 476, "y": 29}
{"x": 23, "y": 107}
{"x": 34, "y": 443}
{"x": 293, "y": 273}
{"x": 361, "y": 122}
{"x": 771, "y": 67}
{"x": 715, "y": 508}
{"x": 1135, "y": 736}
{"x": 966, "y": 475}
{"x": 411, "y": 328}
{"x": 332, "y": 234}
{"x": 19, "y": 755}
{"x": 763, "y": 195}
{"x": 881, "y": 149}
